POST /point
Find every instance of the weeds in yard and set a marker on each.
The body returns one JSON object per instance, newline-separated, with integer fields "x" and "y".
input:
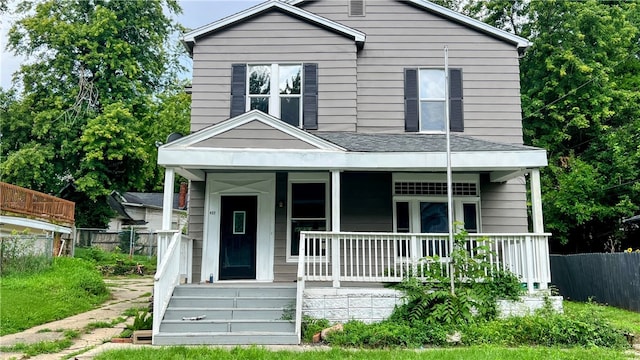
{"x": 71, "y": 286}
{"x": 103, "y": 324}
{"x": 23, "y": 253}
{"x": 133, "y": 311}
{"x": 431, "y": 314}
{"x": 115, "y": 263}
{"x": 75, "y": 353}
{"x": 43, "y": 347}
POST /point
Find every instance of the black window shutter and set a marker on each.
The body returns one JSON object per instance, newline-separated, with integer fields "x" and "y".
{"x": 456, "y": 112}
{"x": 310, "y": 100}
{"x": 238, "y": 89}
{"x": 411, "y": 103}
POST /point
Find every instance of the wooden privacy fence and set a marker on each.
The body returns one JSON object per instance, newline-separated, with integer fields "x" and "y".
{"x": 613, "y": 279}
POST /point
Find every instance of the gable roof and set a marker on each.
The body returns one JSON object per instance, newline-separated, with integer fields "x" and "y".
{"x": 519, "y": 41}
{"x": 189, "y": 39}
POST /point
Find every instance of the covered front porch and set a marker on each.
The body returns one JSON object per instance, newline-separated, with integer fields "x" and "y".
{"x": 341, "y": 209}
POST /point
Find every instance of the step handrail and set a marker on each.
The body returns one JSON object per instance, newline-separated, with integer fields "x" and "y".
{"x": 166, "y": 278}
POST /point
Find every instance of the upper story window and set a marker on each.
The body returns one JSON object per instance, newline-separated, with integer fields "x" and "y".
{"x": 286, "y": 91}
{"x": 432, "y": 100}
{"x": 277, "y": 90}
{"x": 425, "y": 100}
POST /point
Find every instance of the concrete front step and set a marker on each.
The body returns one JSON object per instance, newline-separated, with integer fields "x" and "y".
{"x": 230, "y": 291}
{"x": 231, "y": 302}
{"x": 231, "y": 326}
{"x": 175, "y": 313}
{"x": 216, "y": 338}
{"x": 229, "y": 314}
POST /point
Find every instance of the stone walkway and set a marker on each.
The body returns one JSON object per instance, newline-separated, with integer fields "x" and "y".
{"x": 126, "y": 293}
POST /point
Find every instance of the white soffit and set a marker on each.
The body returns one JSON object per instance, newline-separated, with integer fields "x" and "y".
{"x": 287, "y": 159}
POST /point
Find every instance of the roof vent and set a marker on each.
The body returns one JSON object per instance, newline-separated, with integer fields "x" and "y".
{"x": 356, "y": 7}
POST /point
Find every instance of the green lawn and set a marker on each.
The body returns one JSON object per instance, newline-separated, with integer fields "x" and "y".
{"x": 475, "y": 353}
{"x": 69, "y": 287}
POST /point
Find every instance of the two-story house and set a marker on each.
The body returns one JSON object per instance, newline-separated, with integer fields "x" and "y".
{"x": 318, "y": 159}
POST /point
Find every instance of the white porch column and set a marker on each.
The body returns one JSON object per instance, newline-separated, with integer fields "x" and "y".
{"x": 538, "y": 227}
{"x": 536, "y": 202}
{"x": 167, "y": 201}
{"x": 335, "y": 226}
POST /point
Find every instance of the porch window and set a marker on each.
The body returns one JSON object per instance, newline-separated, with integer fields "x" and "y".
{"x": 307, "y": 211}
{"x": 421, "y": 206}
{"x": 430, "y": 215}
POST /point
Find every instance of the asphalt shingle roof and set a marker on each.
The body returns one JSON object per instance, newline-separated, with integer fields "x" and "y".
{"x": 360, "y": 142}
{"x": 151, "y": 199}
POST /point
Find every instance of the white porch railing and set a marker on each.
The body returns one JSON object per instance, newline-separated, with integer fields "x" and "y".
{"x": 386, "y": 257}
{"x": 174, "y": 265}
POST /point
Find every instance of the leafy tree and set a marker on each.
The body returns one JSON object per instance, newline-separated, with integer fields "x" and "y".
{"x": 580, "y": 102}
{"x": 99, "y": 89}
{"x": 580, "y": 99}
{"x": 509, "y": 15}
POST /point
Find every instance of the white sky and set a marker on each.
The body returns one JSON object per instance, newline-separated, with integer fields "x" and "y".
{"x": 195, "y": 13}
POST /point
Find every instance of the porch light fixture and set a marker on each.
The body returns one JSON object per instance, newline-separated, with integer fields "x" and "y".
{"x": 281, "y": 204}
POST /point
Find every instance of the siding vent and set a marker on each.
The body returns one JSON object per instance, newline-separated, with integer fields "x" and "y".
{"x": 356, "y": 7}
{"x": 435, "y": 188}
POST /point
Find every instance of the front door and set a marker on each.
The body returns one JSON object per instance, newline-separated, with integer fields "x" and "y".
{"x": 238, "y": 225}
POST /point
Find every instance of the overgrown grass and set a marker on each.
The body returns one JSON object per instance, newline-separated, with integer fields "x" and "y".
{"x": 548, "y": 329}
{"x": 623, "y": 319}
{"x": 576, "y": 328}
{"x": 69, "y": 287}
{"x": 116, "y": 263}
{"x": 476, "y": 353}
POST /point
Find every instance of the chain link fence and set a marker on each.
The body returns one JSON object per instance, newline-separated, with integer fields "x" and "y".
{"x": 128, "y": 241}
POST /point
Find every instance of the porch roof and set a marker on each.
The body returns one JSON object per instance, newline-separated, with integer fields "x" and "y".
{"x": 193, "y": 155}
{"x": 414, "y": 143}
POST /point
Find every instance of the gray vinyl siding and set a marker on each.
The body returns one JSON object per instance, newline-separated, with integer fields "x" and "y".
{"x": 400, "y": 35}
{"x": 254, "y": 135}
{"x": 275, "y": 38}
{"x": 366, "y": 202}
{"x": 504, "y": 206}
{"x": 196, "y": 224}
{"x": 366, "y": 205}
{"x": 282, "y": 271}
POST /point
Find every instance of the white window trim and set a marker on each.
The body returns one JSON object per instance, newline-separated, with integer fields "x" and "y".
{"x": 308, "y": 178}
{"x": 414, "y": 209}
{"x": 425, "y": 99}
{"x": 414, "y": 200}
{"x": 274, "y": 86}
